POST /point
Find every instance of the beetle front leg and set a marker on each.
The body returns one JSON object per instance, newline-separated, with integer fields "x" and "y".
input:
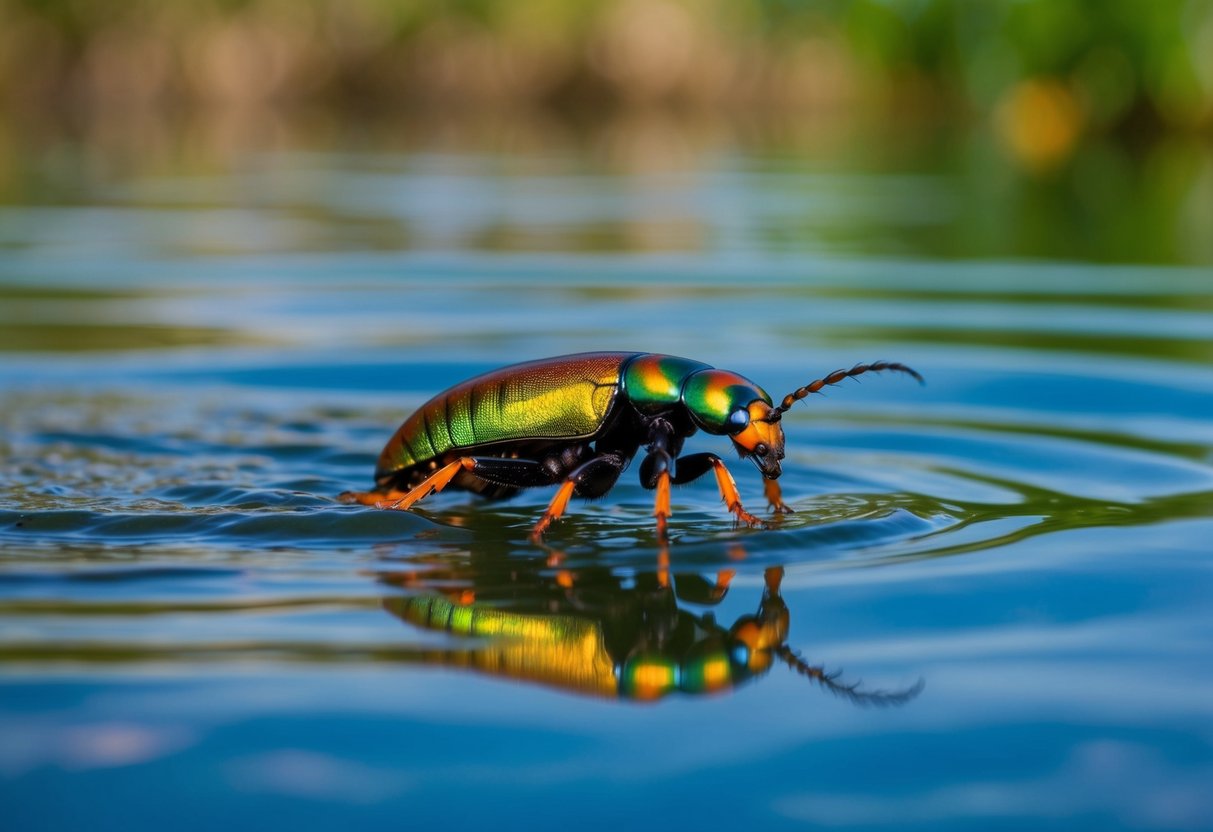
{"x": 693, "y": 467}
{"x": 775, "y": 497}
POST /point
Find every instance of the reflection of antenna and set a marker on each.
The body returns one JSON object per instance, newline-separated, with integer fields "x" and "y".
{"x": 852, "y": 692}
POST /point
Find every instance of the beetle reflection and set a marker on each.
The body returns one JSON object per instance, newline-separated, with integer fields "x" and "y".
{"x": 594, "y": 632}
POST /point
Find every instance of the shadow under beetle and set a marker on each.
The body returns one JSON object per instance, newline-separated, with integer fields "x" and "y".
{"x": 577, "y": 421}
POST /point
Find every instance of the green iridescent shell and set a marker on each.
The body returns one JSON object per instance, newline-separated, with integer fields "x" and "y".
{"x": 554, "y": 398}
{"x": 653, "y": 383}
{"x": 712, "y": 395}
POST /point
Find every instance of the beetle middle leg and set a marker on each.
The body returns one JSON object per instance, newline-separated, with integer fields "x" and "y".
{"x": 592, "y": 478}
{"x": 655, "y": 473}
{"x": 657, "y": 470}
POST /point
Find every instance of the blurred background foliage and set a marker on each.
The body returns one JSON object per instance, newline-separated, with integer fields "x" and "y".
{"x": 1076, "y": 64}
{"x": 1074, "y": 128}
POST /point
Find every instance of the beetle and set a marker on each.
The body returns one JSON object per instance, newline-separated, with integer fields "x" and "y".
{"x": 578, "y": 420}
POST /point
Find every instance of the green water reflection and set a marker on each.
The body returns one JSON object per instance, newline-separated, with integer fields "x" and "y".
{"x": 588, "y": 631}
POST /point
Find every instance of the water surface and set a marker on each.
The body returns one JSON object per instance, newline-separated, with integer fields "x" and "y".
{"x": 990, "y": 608}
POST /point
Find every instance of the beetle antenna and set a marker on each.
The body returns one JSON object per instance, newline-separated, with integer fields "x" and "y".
{"x": 839, "y": 375}
{"x": 852, "y": 692}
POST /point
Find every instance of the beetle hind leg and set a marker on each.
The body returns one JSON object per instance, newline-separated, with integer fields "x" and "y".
{"x": 375, "y": 499}
{"x": 499, "y": 472}
{"x": 432, "y": 484}
{"x": 555, "y": 509}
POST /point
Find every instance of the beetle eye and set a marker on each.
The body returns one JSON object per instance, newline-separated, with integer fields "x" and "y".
{"x": 761, "y": 449}
{"x": 739, "y": 418}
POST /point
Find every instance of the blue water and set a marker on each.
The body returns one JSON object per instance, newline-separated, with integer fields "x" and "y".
{"x": 1006, "y": 572}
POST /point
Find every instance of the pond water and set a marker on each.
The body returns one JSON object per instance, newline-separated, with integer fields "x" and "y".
{"x": 991, "y": 607}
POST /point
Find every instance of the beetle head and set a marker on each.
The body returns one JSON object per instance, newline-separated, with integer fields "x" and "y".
{"x": 762, "y": 438}
{"x": 722, "y": 402}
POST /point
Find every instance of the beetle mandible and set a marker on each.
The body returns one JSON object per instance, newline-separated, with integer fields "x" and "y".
{"x": 578, "y": 420}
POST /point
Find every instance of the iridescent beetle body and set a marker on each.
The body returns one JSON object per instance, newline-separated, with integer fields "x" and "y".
{"x": 577, "y": 421}
{"x": 523, "y": 407}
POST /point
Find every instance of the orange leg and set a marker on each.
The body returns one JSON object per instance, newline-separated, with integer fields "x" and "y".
{"x": 661, "y": 509}
{"x": 597, "y": 474}
{"x": 774, "y": 577}
{"x": 402, "y": 500}
{"x": 434, "y": 483}
{"x": 775, "y": 497}
{"x": 555, "y": 509}
{"x": 723, "y": 578}
{"x": 377, "y": 499}
{"x": 555, "y": 557}
{"x": 728, "y": 491}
